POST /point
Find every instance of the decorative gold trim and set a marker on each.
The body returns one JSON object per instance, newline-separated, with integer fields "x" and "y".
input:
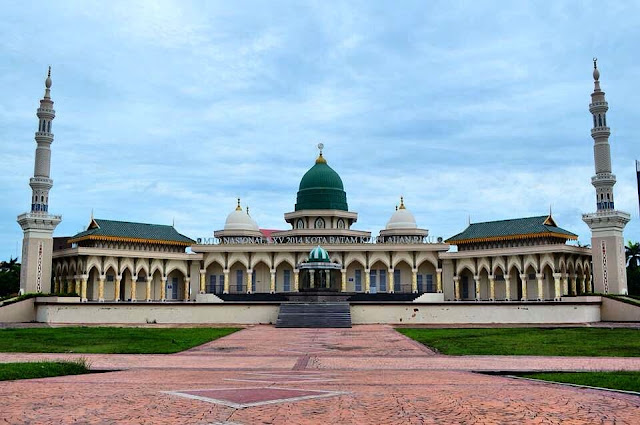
{"x": 512, "y": 237}
{"x": 126, "y": 239}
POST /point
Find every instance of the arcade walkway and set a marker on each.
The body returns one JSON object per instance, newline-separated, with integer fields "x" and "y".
{"x": 367, "y": 374}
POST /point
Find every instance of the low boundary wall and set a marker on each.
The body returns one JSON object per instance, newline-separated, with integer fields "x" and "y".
{"x": 619, "y": 311}
{"x": 19, "y": 312}
{"x": 361, "y": 313}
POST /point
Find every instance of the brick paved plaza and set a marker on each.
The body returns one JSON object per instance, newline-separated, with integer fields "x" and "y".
{"x": 367, "y": 374}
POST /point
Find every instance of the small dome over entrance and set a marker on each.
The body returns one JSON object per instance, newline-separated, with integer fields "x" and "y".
{"x": 240, "y": 220}
{"x": 319, "y": 255}
{"x": 402, "y": 218}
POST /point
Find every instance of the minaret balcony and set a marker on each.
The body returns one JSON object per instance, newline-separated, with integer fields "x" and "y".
{"x": 40, "y": 183}
{"x": 600, "y": 131}
{"x": 603, "y": 179}
{"x": 598, "y": 107}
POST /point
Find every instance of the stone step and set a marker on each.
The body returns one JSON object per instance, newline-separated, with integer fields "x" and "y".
{"x": 314, "y": 315}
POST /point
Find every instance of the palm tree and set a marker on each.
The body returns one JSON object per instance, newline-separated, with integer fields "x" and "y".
{"x": 632, "y": 254}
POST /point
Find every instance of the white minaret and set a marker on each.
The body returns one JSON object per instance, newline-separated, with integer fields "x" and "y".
{"x": 38, "y": 224}
{"x": 606, "y": 224}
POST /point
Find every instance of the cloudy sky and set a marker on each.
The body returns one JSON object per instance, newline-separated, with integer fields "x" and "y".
{"x": 170, "y": 110}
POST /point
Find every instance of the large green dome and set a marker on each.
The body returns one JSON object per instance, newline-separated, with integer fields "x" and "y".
{"x": 321, "y": 189}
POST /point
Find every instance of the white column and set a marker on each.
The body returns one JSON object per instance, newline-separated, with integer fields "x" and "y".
{"x": 456, "y": 288}
{"x": 148, "y": 289}
{"x": 249, "y": 280}
{"x": 439, "y": 280}
{"x": 507, "y": 287}
{"x": 367, "y": 280}
{"x": 565, "y": 284}
{"x": 296, "y": 280}
{"x": 476, "y": 280}
{"x": 492, "y": 287}
{"x": 343, "y": 283}
{"x": 312, "y": 279}
{"x": 187, "y": 287}
{"x": 226, "y": 282}
{"x": 272, "y": 285}
{"x": 574, "y": 289}
{"x": 163, "y": 288}
{"x": 583, "y": 285}
{"x": 134, "y": 280}
{"x": 557, "y": 286}
{"x": 523, "y": 279}
{"x": 414, "y": 281}
{"x": 540, "y": 277}
{"x": 390, "y": 281}
{"x": 83, "y": 288}
{"x": 203, "y": 277}
{"x": 327, "y": 275}
{"x": 101, "y": 288}
{"x": 116, "y": 289}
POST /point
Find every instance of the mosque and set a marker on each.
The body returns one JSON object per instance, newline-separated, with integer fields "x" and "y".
{"x": 518, "y": 261}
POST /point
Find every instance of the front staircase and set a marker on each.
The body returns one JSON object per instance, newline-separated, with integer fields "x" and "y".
{"x": 314, "y": 315}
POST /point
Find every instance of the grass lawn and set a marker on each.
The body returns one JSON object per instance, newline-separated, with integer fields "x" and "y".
{"x": 629, "y": 381}
{"x": 530, "y": 341}
{"x": 107, "y": 340}
{"x": 9, "y": 371}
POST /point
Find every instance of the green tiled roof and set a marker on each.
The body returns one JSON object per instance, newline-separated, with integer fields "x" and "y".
{"x": 125, "y": 230}
{"x": 518, "y": 228}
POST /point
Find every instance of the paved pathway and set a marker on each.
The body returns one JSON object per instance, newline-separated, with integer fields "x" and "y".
{"x": 263, "y": 375}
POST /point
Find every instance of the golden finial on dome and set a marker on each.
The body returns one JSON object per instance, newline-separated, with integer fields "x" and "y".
{"x": 321, "y": 159}
{"x": 238, "y": 208}
{"x": 402, "y": 207}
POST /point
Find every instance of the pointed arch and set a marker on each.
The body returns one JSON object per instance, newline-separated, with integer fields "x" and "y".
{"x": 156, "y": 265}
{"x": 110, "y": 262}
{"x": 465, "y": 263}
{"x": 284, "y": 257}
{"x": 358, "y": 257}
{"x": 422, "y": 257}
{"x": 531, "y": 262}
{"x": 402, "y": 256}
{"x": 514, "y": 261}
{"x": 142, "y": 264}
{"x": 126, "y": 264}
{"x": 382, "y": 257}
{"x": 498, "y": 263}
{"x": 484, "y": 264}
{"x": 260, "y": 257}
{"x": 547, "y": 260}
{"x": 214, "y": 257}
{"x": 177, "y": 265}
{"x": 238, "y": 257}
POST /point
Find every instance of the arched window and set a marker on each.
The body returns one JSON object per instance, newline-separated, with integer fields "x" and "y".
{"x": 600, "y": 120}
{"x": 319, "y": 223}
{"x": 49, "y": 127}
{"x": 340, "y": 223}
{"x": 300, "y": 224}
{"x": 604, "y": 119}
{"x": 595, "y": 124}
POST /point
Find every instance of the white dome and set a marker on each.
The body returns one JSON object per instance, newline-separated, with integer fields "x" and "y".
{"x": 240, "y": 220}
{"x": 402, "y": 219}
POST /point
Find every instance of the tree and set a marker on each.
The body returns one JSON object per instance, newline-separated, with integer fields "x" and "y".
{"x": 9, "y": 277}
{"x": 632, "y": 254}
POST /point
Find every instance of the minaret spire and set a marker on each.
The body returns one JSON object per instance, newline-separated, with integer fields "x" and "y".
{"x": 606, "y": 224}
{"x": 604, "y": 180}
{"x": 38, "y": 224}
{"x": 41, "y": 182}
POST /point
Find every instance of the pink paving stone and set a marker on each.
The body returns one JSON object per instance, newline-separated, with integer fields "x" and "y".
{"x": 253, "y": 396}
{"x": 382, "y": 377}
